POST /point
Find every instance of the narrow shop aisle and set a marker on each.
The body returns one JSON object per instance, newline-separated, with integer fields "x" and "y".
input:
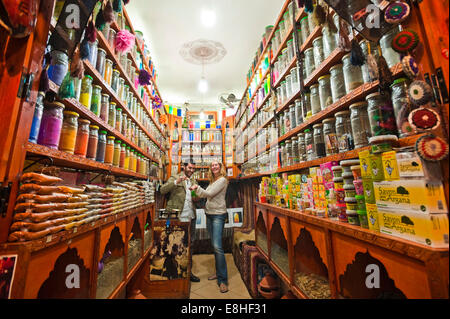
{"x": 203, "y": 267}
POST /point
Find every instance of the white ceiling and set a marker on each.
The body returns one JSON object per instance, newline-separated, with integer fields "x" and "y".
{"x": 167, "y": 25}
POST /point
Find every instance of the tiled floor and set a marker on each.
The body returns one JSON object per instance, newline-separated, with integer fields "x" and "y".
{"x": 203, "y": 267}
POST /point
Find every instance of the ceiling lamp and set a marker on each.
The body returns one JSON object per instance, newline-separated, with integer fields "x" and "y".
{"x": 208, "y": 18}
{"x": 203, "y": 85}
{"x": 202, "y": 115}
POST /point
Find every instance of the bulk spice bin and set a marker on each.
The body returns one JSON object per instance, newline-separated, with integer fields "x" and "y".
{"x": 312, "y": 202}
{"x": 61, "y": 219}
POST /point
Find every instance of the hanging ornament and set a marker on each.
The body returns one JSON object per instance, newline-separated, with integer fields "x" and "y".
{"x": 319, "y": 15}
{"x": 309, "y": 6}
{"x": 117, "y": 5}
{"x": 124, "y": 41}
{"x": 125, "y": 2}
{"x": 397, "y": 12}
{"x": 18, "y": 17}
{"x": 432, "y": 148}
{"x": 108, "y": 13}
{"x": 357, "y": 57}
{"x": 405, "y": 41}
{"x": 77, "y": 66}
{"x": 423, "y": 119}
{"x": 410, "y": 67}
{"x": 163, "y": 119}
{"x": 100, "y": 21}
{"x": 91, "y": 33}
{"x": 385, "y": 77}
{"x": 420, "y": 93}
{"x": 67, "y": 88}
{"x": 344, "y": 41}
{"x": 144, "y": 77}
{"x": 44, "y": 82}
{"x": 85, "y": 50}
{"x": 157, "y": 102}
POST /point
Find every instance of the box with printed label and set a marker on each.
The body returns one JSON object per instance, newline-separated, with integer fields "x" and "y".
{"x": 430, "y": 230}
{"x": 409, "y": 165}
{"x": 372, "y": 216}
{"x": 390, "y": 167}
{"x": 364, "y": 160}
{"x": 412, "y": 194}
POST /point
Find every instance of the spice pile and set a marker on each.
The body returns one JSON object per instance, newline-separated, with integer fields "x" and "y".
{"x": 314, "y": 286}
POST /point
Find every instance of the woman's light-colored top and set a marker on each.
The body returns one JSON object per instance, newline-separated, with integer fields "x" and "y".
{"x": 215, "y": 195}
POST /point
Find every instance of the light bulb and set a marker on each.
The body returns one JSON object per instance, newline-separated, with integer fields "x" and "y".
{"x": 208, "y": 18}
{"x": 203, "y": 85}
{"x": 202, "y": 115}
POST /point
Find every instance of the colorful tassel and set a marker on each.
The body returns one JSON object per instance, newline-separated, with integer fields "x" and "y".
{"x": 357, "y": 57}
{"x": 91, "y": 33}
{"x": 77, "y": 66}
{"x": 124, "y": 41}
{"x": 319, "y": 15}
{"x": 100, "y": 21}
{"x": 117, "y": 5}
{"x": 108, "y": 13}
{"x": 144, "y": 77}
{"x": 67, "y": 88}
{"x": 309, "y": 6}
{"x": 85, "y": 51}
{"x": 330, "y": 23}
{"x": 344, "y": 41}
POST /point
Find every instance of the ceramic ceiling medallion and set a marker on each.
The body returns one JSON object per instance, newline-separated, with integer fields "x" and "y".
{"x": 203, "y": 52}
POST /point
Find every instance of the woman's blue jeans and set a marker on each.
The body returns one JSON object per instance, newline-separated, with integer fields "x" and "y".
{"x": 215, "y": 225}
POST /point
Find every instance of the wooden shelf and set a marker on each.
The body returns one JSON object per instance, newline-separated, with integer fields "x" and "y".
{"x": 201, "y": 142}
{"x": 286, "y": 72}
{"x": 255, "y": 92}
{"x": 64, "y": 159}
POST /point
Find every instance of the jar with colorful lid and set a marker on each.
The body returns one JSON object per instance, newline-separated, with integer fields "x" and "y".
{"x": 309, "y": 145}
{"x": 115, "y": 80}
{"x": 337, "y": 82}
{"x": 325, "y": 91}
{"x": 112, "y": 114}
{"x": 93, "y": 142}
{"x": 318, "y": 51}
{"x": 364, "y": 44}
{"x": 101, "y": 60}
{"x": 123, "y": 149}
{"x": 104, "y": 109}
{"x": 107, "y": 75}
{"x": 309, "y": 64}
{"x": 329, "y": 41}
{"x": 109, "y": 152}
{"x": 390, "y": 55}
{"x": 402, "y": 106}
{"x": 304, "y": 26}
{"x": 58, "y": 67}
{"x": 360, "y": 124}
{"x": 51, "y": 124}
{"x": 301, "y": 147}
{"x": 344, "y": 131}
{"x": 329, "y": 132}
{"x": 93, "y": 51}
{"x": 96, "y": 99}
{"x": 86, "y": 91}
{"x": 381, "y": 114}
{"x": 118, "y": 125}
{"x": 37, "y": 117}
{"x": 319, "y": 141}
{"x": 69, "y": 132}
{"x": 352, "y": 74}
{"x": 315, "y": 99}
{"x": 82, "y": 140}
{"x": 101, "y": 147}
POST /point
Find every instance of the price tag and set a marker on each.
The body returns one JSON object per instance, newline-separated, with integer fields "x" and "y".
{"x": 75, "y": 230}
{"x": 49, "y": 238}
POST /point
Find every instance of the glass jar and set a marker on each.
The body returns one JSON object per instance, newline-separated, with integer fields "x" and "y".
{"x": 319, "y": 141}
{"x": 293, "y": 117}
{"x": 391, "y": 56}
{"x": 295, "y": 80}
{"x": 86, "y": 91}
{"x": 77, "y": 88}
{"x": 51, "y": 124}
{"x": 107, "y": 75}
{"x": 300, "y": 39}
{"x": 309, "y": 64}
{"x": 117, "y": 149}
{"x": 344, "y": 131}
{"x": 288, "y": 87}
{"x": 126, "y": 164}
{"x": 402, "y": 106}
{"x": 315, "y": 99}
{"x": 290, "y": 50}
{"x": 306, "y": 106}
{"x": 295, "y": 151}
{"x": 104, "y": 109}
{"x": 301, "y": 147}
{"x": 58, "y": 67}
{"x": 360, "y": 124}
{"x": 121, "y": 88}
{"x": 118, "y": 125}
{"x": 124, "y": 98}
{"x": 289, "y": 154}
{"x": 309, "y": 145}
{"x": 123, "y": 128}
{"x": 96, "y": 99}
{"x": 123, "y": 151}
{"x": 82, "y": 138}
{"x": 304, "y": 27}
{"x": 284, "y": 96}
{"x": 298, "y": 112}
{"x": 93, "y": 142}
{"x": 381, "y": 114}
{"x": 325, "y": 91}
{"x": 111, "y": 37}
{"x": 318, "y": 51}
{"x": 329, "y": 41}
{"x": 311, "y": 23}
{"x": 37, "y": 117}
{"x": 101, "y": 147}
{"x": 112, "y": 114}
{"x": 283, "y": 155}
{"x": 109, "y": 152}
{"x": 364, "y": 44}
{"x": 287, "y": 122}
{"x": 330, "y": 138}
{"x": 337, "y": 82}
{"x": 115, "y": 80}
{"x": 69, "y": 132}
{"x": 352, "y": 74}
{"x": 282, "y": 27}
{"x": 101, "y": 60}
{"x": 131, "y": 127}
{"x": 93, "y": 50}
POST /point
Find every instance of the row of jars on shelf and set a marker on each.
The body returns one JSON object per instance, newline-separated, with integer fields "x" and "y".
{"x": 201, "y": 173}
{"x": 201, "y": 149}
{"x": 62, "y": 130}
{"x": 201, "y": 136}
{"x": 204, "y": 160}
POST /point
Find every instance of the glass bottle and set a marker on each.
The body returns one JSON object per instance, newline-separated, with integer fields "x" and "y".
{"x": 101, "y": 60}
{"x": 309, "y": 64}
{"x": 37, "y": 117}
{"x": 315, "y": 99}
{"x": 96, "y": 99}
{"x": 318, "y": 51}
{"x": 58, "y": 67}
{"x": 306, "y": 103}
{"x": 325, "y": 91}
{"x": 337, "y": 82}
{"x": 101, "y": 147}
{"x": 329, "y": 132}
{"x": 109, "y": 152}
{"x": 69, "y": 132}
{"x": 298, "y": 112}
{"x": 118, "y": 125}
{"x": 123, "y": 129}
{"x": 381, "y": 114}
{"x": 360, "y": 124}
{"x": 319, "y": 141}
{"x": 107, "y": 75}
{"x": 93, "y": 142}
{"x": 292, "y": 116}
{"x": 112, "y": 114}
{"x": 115, "y": 80}
{"x": 51, "y": 124}
{"x": 304, "y": 26}
{"x": 344, "y": 131}
{"x": 93, "y": 50}
{"x": 82, "y": 139}
{"x": 301, "y": 147}
{"x": 352, "y": 74}
{"x": 86, "y": 91}
{"x": 391, "y": 56}
{"x": 123, "y": 149}
{"x": 402, "y": 106}
{"x": 126, "y": 164}
{"x": 364, "y": 44}
{"x": 329, "y": 41}
{"x": 104, "y": 110}
{"x": 309, "y": 145}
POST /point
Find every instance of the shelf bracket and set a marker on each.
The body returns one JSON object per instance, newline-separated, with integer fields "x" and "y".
{"x": 40, "y": 160}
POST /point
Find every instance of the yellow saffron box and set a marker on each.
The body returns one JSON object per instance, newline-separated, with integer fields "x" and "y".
{"x": 364, "y": 160}
{"x": 390, "y": 166}
{"x": 372, "y": 217}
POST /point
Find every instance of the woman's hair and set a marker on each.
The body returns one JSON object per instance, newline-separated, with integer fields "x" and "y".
{"x": 222, "y": 172}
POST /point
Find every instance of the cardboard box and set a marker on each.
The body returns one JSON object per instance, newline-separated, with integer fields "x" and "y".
{"x": 364, "y": 160}
{"x": 327, "y": 173}
{"x": 413, "y": 194}
{"x": 376, "y": 167}
{"x": 390, "y": 167}
{"x": 372, "y": 217}
{"x": 430, "y": 230}
{"x": 409, "y": 165}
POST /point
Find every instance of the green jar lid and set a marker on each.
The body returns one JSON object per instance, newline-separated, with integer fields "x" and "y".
{"x": 124, "y": 145}
{"x": 89, "y": 77}
{"x": 359, "y": 197}
{"x": 103, "y": 132}
{"x": 119, "y": 142}
{"x": 398, "y": 81}
{"x": 119, "y": 109}
{"x": 128, "y": 148}
{"x": 361, "y": 212}
{"x": 307, "y": 130}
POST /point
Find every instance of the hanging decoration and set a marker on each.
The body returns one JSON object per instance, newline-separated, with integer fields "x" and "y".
{"x": 385, "y": 77}
{"x": 423, "y": 119}
{"x": 100, "y": 21}
{"x": 124, "y": 41}
{"x": 410, "y": 67}
{"x": 76, "y": 65}
{"x": 144, "y": 77}
{"x": 163, "y": 119}
{"x": 44, "y": 82}
{"x": 329, "y": 22}
{"x": 108, "y": 12}
{"x": 397, "y": 12}
{"x": 432, "y": 148}
{"x": 84, "y": 49}
{"x": 91, "y": 33}
{"x": 420, "y": 93}
{"x": 117, "y": 5}
{"x": 157, "y": 102}
{"x": 344, "y": 41}
{"x": 357, "y": 57}
{"x": 405, "y": 41}
{"x": 67, "y": 88}
{"x": 319, "y": 15}
{"x": 309, "y": 6}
